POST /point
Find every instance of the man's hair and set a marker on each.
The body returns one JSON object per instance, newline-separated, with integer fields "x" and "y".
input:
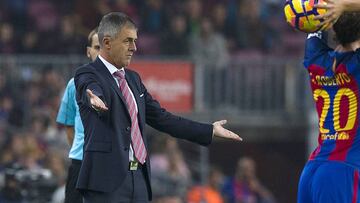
{"x": 111, "y": 24}
{"x": 347, "y": 28}
{"x": 91, "y": 34}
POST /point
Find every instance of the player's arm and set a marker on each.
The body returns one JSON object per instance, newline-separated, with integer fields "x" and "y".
{"x": 315, "y": 46}
{"x": 335, "y": 8}
{"x": 70, "y": 134}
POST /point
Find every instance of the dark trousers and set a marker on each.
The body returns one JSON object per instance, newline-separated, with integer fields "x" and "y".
{"x": 132, "y": 190}
{"x": 72, "y": 195}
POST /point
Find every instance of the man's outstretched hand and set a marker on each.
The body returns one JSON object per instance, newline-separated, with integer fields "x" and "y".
{"x": 220, "y": 131}
{"x": 96, "y": 103}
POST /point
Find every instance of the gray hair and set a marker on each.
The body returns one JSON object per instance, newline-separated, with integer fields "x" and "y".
{"x": 111, "y": 24}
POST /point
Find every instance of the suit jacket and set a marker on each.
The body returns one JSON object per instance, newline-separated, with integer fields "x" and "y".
{"x": 107, "y": 134}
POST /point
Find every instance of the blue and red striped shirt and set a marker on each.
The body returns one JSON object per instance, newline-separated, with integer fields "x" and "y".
{"x": 335, "y": 79}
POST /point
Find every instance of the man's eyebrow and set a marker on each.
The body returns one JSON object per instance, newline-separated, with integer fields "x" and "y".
{"x": 131, "y": 39}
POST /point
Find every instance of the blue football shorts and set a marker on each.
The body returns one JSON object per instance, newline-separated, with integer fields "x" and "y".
{"x": 328, "y": 182}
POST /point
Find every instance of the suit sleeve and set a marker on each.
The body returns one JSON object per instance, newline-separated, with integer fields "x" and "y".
{"x": 160, "y": 119}
{"x": 85, "y": 79}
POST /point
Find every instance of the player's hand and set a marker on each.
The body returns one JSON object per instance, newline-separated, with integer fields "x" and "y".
{"x": 220, "y": 131}
{"x": 96, "y": 103}
{"x": 334, "y": 8}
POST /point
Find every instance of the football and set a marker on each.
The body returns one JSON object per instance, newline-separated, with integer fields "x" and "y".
{"x": 300, "y": 15}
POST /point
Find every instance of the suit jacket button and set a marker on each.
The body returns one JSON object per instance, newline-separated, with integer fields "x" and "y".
{"x": 126, "y": 148}
{"x": 128, "y": 128}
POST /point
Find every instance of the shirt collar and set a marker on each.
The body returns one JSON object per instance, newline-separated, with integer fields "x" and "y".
{"x": 112, "y": 69}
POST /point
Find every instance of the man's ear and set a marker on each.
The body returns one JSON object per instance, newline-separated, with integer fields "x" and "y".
{"x": 106, "y": 42}
{"x": 88, "y": 52}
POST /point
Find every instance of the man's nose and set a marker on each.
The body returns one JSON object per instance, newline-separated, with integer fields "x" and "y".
{"x": 132, "y": 46}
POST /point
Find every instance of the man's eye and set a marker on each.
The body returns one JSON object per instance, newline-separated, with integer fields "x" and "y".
{"x": 97, "y": 47}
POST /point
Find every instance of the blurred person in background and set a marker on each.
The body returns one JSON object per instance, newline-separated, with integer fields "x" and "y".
{"x": 90, "y": 11}
{"x": 69, "y": 116}
{"x": 222, "y": 24}
{"x": 245, "y": 186}
{"x": 194, "y": 14}
{"x": 252, "y": 32}
{"x": 44, "y": 16}
{"x": 6, "y": 107}
{"x": 33, "y": 152}
{"x": 7, "y": 38}
{"x": 16, "y": 13}
{"x": 218, "y": 17}
{"x": 11, "y": 191}
{"x": 153, "y": 16}
{"x": 115, "y": 106}
{"x": 170, "y": 174}
{"x": 6, "y": 100}
{"x": 175, "y": 39}
{"x": 26, "y": 179}
{"x": 12, "y": 150}
{"x": 70, "y": 41}
{"x": 332, "y": 171}
{"x": 209, "y": 193}
{"x": 56, "y": 163}
{"x": 4, "y": 83}
{"x": 51, "y": 84}
{"x": 208, "y": 49}
{"x": 128, "y": 7}
{"x": 30, "y": 42}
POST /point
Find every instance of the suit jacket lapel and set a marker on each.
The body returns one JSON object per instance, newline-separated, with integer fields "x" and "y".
{"x": 108, "y": 77}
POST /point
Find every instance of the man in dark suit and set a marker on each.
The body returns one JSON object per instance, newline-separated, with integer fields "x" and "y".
{"x": 115, "y": 106}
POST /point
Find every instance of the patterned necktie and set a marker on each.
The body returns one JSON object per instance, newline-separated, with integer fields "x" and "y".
{"x": 136, "y": 138}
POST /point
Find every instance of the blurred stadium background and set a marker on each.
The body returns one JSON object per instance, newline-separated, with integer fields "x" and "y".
{"x": 205, "y": 60}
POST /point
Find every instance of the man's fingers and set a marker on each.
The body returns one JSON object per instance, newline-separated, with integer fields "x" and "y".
{"x": 328, "y": 2}
{"x": 104, "y": 108}
{"x": 233, "y": 135}
{"x": 99, "y": 105}
{"x": 328, "y": 20}
{"x": 96, "y": 103}
{"x": 89, "y": 92}
{"x": 236, "y": 136}
{"x": 220, "y": 131}
{"x": 321, "y": 24}
{"x": 323, "y": 6}
{"x": 224, "y": 133}
{"x": 326, "y": 16}
{"x": 323, "y": 16}
{"x": 328, "y": 23}
{"x": 221, "y": 122}
{"x": 318, "y": 17}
